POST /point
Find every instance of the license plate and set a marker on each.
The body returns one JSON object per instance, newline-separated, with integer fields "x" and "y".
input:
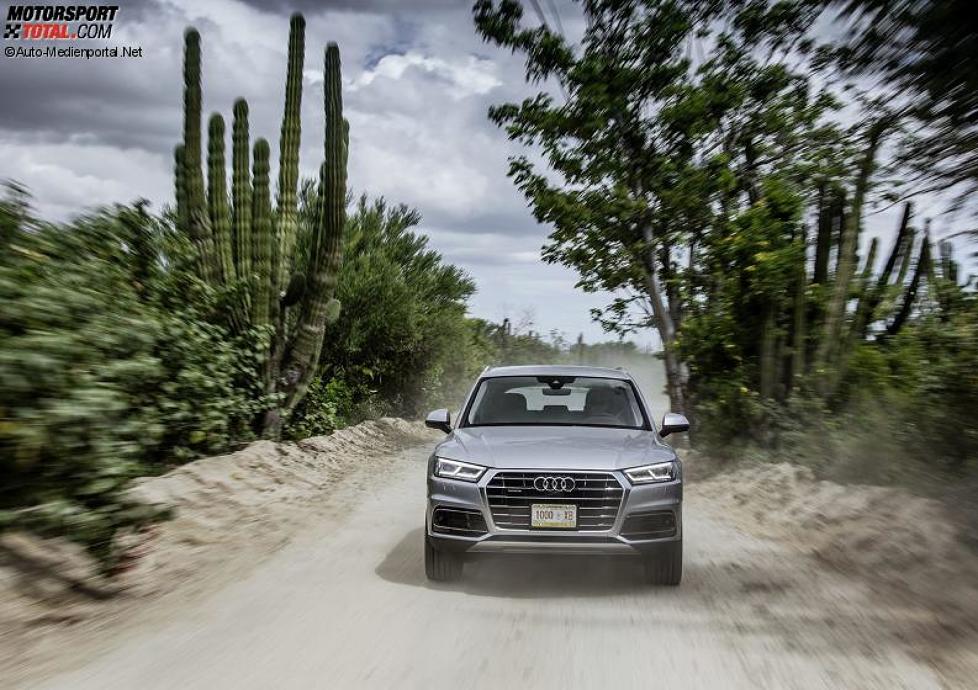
{"x": 553, "y": 515}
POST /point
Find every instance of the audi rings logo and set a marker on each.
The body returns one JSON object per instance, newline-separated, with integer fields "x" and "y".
{"x": 554, "y": 484}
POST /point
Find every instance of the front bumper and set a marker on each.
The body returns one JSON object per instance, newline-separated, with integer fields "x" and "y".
{"x": 637, "y": 500}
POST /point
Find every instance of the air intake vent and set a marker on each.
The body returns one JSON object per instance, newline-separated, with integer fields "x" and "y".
{"x": 654, "y": 525}
{"x": 460, "y": 522}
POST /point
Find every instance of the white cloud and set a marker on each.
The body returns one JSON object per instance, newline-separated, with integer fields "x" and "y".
{"x": 470, "y": 77}
{"x": 69, "y": 178}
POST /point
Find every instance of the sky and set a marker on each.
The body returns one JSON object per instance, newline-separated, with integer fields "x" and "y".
{"x": 418, "y": 82}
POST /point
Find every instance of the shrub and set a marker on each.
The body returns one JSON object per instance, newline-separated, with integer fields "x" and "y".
{"x": 402, "y": 339}
{"x": 107, "y": 370}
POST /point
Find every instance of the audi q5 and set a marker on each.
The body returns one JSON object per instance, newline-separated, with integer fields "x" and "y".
{"x": 555, "y": 459}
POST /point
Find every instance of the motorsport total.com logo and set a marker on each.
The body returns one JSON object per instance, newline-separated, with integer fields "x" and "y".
{"x": 59, "y": 22}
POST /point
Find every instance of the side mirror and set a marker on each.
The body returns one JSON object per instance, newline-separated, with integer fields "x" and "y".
{"x": 439, "y": 419}
{"x": 673, "y": 423}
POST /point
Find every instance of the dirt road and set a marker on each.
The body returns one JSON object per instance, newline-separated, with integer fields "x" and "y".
{"x": 346, "y": 605}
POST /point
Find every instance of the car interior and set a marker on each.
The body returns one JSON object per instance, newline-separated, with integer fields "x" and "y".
{"x": 598, "y": 406}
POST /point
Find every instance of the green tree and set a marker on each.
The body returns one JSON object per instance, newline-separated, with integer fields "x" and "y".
{"x": 652, "y": 154}
{"x": 611, "y": 153}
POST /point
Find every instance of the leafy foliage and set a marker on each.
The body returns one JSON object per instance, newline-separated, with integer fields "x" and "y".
{"x": 101, "y": 378}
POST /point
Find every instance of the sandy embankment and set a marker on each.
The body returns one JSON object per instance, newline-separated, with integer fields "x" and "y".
{"x": 231, "y": 513}
{"x": 905, "y": 546}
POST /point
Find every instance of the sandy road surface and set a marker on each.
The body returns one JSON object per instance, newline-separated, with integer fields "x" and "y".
{"x": 346, "y": 605}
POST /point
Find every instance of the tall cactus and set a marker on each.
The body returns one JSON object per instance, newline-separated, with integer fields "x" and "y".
{"x": 198, "y": 225}
{"x": 252, "y": 246}
{"x": 835, "y": 314}
{"x": 922, "y": 268}
{"x": 319, "y": 305}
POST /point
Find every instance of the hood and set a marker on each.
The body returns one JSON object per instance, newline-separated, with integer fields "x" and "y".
{"x": 555, "y": 447}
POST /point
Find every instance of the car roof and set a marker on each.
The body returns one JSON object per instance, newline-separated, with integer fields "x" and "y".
{"x": 556, "y": 370}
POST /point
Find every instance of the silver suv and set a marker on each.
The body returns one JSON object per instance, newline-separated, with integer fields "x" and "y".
{"x": 554, "y": 459}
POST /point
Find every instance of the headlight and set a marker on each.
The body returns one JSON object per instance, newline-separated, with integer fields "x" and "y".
{"x": 455, "y": 469}
{"x": 649, "y": 474}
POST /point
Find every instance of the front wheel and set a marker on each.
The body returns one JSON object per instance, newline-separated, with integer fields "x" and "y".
{"x": 441, "y": 566}
{"x": 665, "y": 566}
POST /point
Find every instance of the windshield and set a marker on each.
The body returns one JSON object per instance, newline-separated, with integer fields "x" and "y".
{"x": 556, "y": 400}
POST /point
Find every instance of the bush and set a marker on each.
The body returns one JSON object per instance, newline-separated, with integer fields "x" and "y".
{"x": 906, "y": 413}
{"x": 102, "y": 376}
{"x": 328, "y": 405}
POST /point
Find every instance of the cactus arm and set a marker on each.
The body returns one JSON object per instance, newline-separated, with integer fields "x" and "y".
{"x": 874, "y": 295}
{"x": 217, "y": 197}
{"x": 180, "y": 187}
{"x": 241, "y": 189}
{"x": 906, "y": 259}
{"x": 800, "y": 316}
{"x": 261, "y": 215}
{"x": 910, "y": 294}
{"x": 823, "y": 238}
{"x": 198, "y": 223}
{"x": 892, "y": 291}
{"x": 898, "y": 248}
{"x": 288, "y": 180}
{"x": 866, "y": 292}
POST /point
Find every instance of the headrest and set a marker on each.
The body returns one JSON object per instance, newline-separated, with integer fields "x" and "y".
{"x": 604, "y": 400}
{"x": 511, "y": 405}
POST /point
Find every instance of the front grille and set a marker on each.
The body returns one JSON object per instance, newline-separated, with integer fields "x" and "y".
{"x": 654, "y": 525}
{"x": 597, "y": 496}
{"x": 458, "y": 521}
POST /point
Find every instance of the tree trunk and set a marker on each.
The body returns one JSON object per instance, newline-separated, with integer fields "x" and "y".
{"x": 676, "y": 373}
{"x": 673, "y": 300}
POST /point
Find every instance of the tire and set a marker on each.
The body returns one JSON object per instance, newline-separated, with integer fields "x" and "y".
{"x": 441, "y": 566}
{"x": 665, "y": 567}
